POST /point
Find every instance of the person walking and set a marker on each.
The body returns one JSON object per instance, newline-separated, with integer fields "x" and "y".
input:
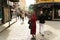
{"x": 18, "y": 12}
{"x": 22, "y": 16}
{"x": 33, "y": 24}
{"x": 42, "y": 18}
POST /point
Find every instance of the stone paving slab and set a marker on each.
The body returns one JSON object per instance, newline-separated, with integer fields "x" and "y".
{"x": 48, "y": 35}
{"x": 3, "y": 26}
{"x": 20, "y": 31}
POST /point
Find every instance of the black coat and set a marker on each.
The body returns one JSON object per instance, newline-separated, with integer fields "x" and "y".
{"x": 42, "y": 18}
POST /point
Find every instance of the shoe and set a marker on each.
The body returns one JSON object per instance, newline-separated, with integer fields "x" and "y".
{"x": 35, "y": 36}
{"x": 22, "y": 23}
{"x": 43, "y": 35}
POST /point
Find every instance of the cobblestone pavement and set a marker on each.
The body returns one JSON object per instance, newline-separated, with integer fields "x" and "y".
{"x": 20, "y": 31}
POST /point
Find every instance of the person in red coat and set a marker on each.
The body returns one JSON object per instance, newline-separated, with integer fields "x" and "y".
{"x": 33, "y": 24}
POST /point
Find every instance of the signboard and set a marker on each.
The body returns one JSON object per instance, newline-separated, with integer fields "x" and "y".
{"x": 56, "y": 0}
{"x": 43, "y": 1}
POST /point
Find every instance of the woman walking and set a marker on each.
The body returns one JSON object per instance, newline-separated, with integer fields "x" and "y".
{"x": 33, "y": 24}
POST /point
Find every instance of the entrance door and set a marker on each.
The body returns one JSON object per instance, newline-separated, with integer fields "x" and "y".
{"x": 1, "y": 15}
{"x": 57, "y": 13}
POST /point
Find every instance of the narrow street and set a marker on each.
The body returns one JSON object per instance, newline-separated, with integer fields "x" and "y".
{"x": 20, "y": 31}
{"x": 13, "y": 28}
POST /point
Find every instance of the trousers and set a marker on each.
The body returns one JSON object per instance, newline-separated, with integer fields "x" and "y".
{"x": 41, "y": 28}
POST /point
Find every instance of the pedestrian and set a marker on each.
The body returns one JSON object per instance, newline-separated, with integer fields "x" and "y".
{"x": 33, "y": 24}
{"x": 42, "y": 18}
{"x": 18, "y": 13}
{"x": 26, "y": 14}
{"x": 22, "y": 16}
{"x": 29, "y": 15}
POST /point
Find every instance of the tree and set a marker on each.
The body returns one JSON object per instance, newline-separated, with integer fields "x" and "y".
{"x": 31, "y": 7}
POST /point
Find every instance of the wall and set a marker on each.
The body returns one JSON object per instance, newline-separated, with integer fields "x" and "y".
{"x": 22, "y": 4}
{"x": 57, "y": 0}
{"x": 6, "y": 14}
{"x": 41, "y": 1}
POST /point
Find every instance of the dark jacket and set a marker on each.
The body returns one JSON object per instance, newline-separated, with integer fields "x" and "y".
{"x": 42, "y": 18}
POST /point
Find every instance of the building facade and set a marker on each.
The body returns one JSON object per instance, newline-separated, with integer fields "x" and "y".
{"x": 51, "y": 6}
{"x": 5, "y": 10}
{"x": 43, "y": 1}
{"x": 22, "y": 4}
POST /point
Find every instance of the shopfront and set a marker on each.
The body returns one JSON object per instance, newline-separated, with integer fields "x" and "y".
{"x": 57, "y": 11}
{"x": 4, "y": 11}
{"x": 52, "y": 10}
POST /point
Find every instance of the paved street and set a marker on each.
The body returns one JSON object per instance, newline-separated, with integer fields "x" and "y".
{"x": 20, "y": 31}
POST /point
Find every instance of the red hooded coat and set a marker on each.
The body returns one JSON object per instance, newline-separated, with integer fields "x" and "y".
{"x": 33, "y": 21}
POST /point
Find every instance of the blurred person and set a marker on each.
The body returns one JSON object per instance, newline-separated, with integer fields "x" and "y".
{"x": 22, "y": 15}
{"x": 29, "y": 15}
{"x": 26, "y": 14}
{"x": 33, "y": 24}
{"x": 18, "y": 12}
{"x": 42, "y": 18}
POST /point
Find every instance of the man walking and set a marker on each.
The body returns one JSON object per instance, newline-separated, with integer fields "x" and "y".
{"x": 41, "y": 22}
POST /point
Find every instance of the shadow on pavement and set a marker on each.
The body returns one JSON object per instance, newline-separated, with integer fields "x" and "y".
{"x": 48, "y": 35}
{"x": 2, "y": 28}
{"x": 33, "y": 38}
{"x": 4, "y": 35}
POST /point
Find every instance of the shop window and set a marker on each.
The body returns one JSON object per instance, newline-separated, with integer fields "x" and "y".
{"x": 59, "y": 12}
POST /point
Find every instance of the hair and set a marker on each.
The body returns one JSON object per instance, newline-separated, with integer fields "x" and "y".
{"x": 20, "y": 11}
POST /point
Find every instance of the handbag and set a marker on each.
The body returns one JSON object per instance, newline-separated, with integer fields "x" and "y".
{"x": 30, "y": 24}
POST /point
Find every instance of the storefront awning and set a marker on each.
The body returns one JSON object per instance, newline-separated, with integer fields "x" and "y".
{"x": 47, "y": 5}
